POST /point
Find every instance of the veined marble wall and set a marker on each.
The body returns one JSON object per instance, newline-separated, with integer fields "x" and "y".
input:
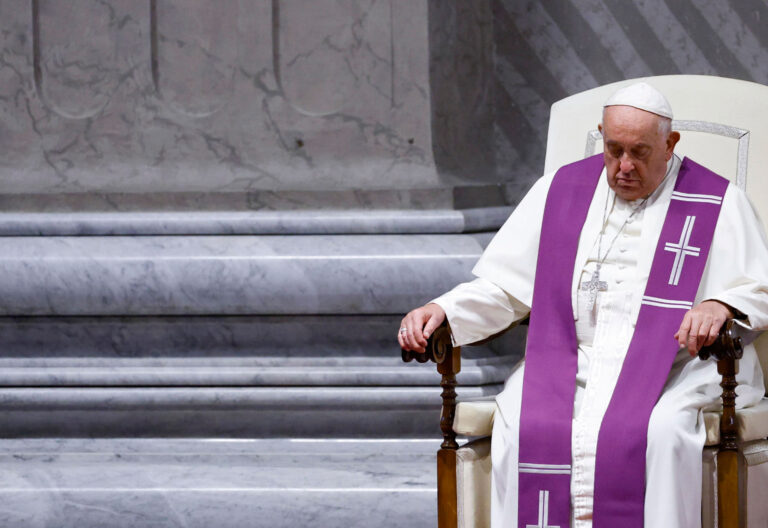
{"x": 118, "y": 98}
{"x": 279, "y": 104}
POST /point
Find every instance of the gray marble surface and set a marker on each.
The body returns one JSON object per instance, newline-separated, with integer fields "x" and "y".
{"x": 462, "y": 89}
{"x": 196, "y": 398}
{"x": 226, "y": 411}
{"x": 253, "y": 223}
{"x": 203, "y": 338}
{"x": 234, "y": 376}
{"x": 199, "y": 337}
{"x": 180, "y": 96}
{"x": 218, "y": 482}
{"x": 331, "y": 274}
{"x": 443, "y": 196}
{"x": 248, "y": 372}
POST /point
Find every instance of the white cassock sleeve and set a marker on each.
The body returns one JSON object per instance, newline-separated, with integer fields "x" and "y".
{"x": 503, "y": 291}
{"x": 737, "y": 268}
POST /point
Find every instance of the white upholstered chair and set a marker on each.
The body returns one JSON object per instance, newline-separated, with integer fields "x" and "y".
{"x": 724, "y": 126}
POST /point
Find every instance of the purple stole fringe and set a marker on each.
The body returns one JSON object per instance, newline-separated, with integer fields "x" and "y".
{"x": 551, "y": 354}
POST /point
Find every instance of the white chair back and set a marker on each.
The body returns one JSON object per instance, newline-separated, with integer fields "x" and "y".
{"x": 723, "y": 125}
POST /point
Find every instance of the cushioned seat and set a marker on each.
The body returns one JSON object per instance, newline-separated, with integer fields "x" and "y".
{"x": 476, "y": 419}
{"x": 752, "y": 424}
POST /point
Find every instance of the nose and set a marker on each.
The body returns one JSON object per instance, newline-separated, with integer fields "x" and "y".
{"x": 626, "y": 165}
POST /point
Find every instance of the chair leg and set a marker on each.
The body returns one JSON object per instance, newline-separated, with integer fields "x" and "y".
{"x": 447, "y": 516}
{"x": 446, "y": 489}
{"x": 728, "y": 489}
{"x": 728, "y": 454}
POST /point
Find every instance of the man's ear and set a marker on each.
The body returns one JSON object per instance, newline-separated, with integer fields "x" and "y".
{"x": 672, "y": 140}
{"x": 600, "y": 128}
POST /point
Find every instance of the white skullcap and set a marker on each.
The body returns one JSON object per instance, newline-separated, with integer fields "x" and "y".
{"x": 643, "y": 96}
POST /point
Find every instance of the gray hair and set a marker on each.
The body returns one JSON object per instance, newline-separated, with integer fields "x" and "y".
{"x": 665, "y": 126}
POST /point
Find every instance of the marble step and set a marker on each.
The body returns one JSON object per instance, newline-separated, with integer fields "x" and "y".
{"x": 209, "y": 338}
{"x": 227, "y": 483}
{"x": 313, "y": 222}
{"x": 204, "y": 340}
{"x": 230, "y": 275}
{"x": 245, "y": 372}
{"x": 200, "y": 336}
{"x": 421, "y": 200}
{"x": 262, "y": 412}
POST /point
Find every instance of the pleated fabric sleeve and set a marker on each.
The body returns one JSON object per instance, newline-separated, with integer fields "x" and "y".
{"x": 737, "y": 269}
{"x": 503, "y": 291}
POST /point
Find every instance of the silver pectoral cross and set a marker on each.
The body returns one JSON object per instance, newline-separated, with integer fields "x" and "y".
{"x": 543, "y": 512}
{"x": 593, "y": 286}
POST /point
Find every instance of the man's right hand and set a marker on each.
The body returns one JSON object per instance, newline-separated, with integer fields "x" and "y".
{"x": 419, "y": 325}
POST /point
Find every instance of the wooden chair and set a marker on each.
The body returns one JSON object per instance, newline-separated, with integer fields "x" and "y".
{"x": 724, "y": 123}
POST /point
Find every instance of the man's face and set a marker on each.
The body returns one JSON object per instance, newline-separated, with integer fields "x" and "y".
{"x": 636, "y": 151}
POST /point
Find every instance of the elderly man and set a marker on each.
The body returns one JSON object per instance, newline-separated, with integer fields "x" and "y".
{"x": 628, "y": 263}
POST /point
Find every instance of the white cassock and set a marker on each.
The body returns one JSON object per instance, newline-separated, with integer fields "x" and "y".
{"x": 735, "y": 274}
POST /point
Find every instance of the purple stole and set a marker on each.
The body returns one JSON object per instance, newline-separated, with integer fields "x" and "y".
{"x": 551, "y": 353}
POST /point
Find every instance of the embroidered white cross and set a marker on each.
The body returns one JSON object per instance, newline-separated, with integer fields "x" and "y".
{"x": 543, "y": 511}
{"x": 681, "y": 250}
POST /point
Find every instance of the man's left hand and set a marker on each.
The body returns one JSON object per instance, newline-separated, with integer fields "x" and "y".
{"x": 701, "y": 325}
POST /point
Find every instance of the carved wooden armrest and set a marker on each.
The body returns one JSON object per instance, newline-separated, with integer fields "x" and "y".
{"x": 726, "y": 350}
{"x": 727, "y": 345}
{"x": 440, "y": 349}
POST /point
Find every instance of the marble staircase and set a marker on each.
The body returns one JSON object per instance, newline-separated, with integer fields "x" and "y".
{"x": 118, "y": 328}
{"x": 238, "y": 378}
